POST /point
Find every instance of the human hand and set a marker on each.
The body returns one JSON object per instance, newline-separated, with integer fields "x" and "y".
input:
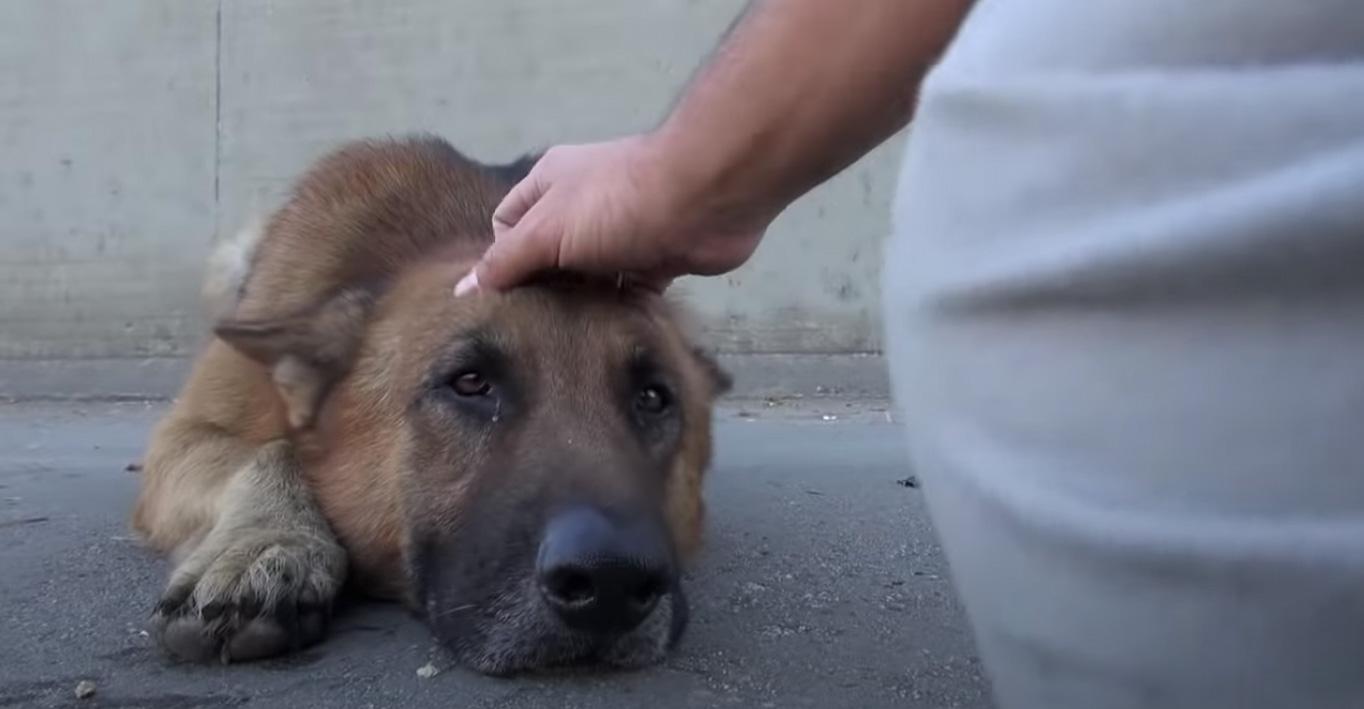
{"x": 624, "y": 208}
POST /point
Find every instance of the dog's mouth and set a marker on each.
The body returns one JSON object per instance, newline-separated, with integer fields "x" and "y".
{"x": 517, "y": 632}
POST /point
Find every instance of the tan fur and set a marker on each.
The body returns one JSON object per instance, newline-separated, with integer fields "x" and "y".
{"x": 277, "y": 472}
{"x": 230, "y": 406}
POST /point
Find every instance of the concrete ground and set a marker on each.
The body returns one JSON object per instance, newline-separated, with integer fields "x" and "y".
{"x": 822, "y": 586}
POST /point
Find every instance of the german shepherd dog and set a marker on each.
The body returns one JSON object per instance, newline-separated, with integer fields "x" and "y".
{"x": 523, "y": 470}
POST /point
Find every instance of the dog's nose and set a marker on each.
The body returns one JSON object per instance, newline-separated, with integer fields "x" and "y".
{"x": 602, "y": 576}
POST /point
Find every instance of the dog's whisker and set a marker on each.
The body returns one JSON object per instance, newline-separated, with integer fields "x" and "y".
{"x": 456, "y": 609}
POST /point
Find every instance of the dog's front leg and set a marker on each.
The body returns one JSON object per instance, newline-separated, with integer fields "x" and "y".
{"x": 263, "y": 579}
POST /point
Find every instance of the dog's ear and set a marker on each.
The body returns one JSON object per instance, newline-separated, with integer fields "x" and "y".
{"x": 720, "y": 379}
{"x": 306, "y": 352}
{"x": 721, "y": 382}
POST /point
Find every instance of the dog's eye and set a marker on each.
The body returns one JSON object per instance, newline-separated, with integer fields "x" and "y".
{"x": 470, "y": 384}
{"x": 653, "y": 400}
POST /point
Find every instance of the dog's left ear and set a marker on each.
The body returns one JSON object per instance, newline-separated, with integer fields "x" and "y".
{"x": 720, "y": 379}
{"x": 690, "y": 330}
{"x": 307, "y": 352}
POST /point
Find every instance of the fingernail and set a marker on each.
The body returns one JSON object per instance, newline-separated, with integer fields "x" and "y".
{"x": 467, "y": 284}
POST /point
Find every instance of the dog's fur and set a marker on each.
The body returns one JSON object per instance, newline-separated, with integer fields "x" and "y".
{"x": 319, "y": 442}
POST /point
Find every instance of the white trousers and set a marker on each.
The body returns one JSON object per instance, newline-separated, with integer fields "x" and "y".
{"x": 1124, "y": 311}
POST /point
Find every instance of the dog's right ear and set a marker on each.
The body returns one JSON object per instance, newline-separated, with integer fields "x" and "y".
{"x": 721, "y": 381}
{"x": 306, "y": 352}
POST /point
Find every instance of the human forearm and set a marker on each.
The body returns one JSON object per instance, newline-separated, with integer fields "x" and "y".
{"x": 798, "y": 91}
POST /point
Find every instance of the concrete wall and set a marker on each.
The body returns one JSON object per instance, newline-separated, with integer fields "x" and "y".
{"x": 133, "y": 132}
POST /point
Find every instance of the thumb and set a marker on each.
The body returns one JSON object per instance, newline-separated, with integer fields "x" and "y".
{"x": 514, "y": 255}
{"x": 492, "y": 269}
{"x": 518, "y": 201}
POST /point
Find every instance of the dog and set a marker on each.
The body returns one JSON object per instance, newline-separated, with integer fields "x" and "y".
{"x": 523, "y": 470}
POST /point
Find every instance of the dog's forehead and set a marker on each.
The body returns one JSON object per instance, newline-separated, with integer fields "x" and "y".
{"x": 592, "y": 326}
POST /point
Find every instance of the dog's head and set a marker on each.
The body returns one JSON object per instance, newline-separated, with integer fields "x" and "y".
{"x": 525, "y": 468}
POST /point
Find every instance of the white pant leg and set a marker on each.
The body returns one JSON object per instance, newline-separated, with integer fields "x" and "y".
{"x": 1125, "y": 321}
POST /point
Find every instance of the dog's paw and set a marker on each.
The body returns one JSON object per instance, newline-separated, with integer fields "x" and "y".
{"x": 261, "y": 593}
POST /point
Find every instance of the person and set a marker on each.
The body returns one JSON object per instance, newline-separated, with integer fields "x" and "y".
{"x": 1123, "y": 301}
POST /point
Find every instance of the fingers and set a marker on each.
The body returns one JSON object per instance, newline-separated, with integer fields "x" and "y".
{"x": 468, "y": 284}
{"x": 516, "y": 254}
{"x": 512, "y": 255}
{"x": 580, "y": 208}
{"x": 519, "y": 200}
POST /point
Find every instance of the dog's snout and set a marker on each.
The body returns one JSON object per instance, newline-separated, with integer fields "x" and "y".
{"x": 602, "y": 597}
{"x": 601, "y": 576}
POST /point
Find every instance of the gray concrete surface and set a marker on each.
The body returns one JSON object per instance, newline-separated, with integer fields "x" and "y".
{"x": 134, "y": 132}
{"x": 107, "y": 204}
{"x": 822, "y": 586}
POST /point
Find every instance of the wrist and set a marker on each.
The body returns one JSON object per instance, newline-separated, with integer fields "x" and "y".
{"x": 709, "y": 178}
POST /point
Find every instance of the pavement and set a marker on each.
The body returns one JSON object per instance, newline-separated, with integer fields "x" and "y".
{"x": 822, "y": 585}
